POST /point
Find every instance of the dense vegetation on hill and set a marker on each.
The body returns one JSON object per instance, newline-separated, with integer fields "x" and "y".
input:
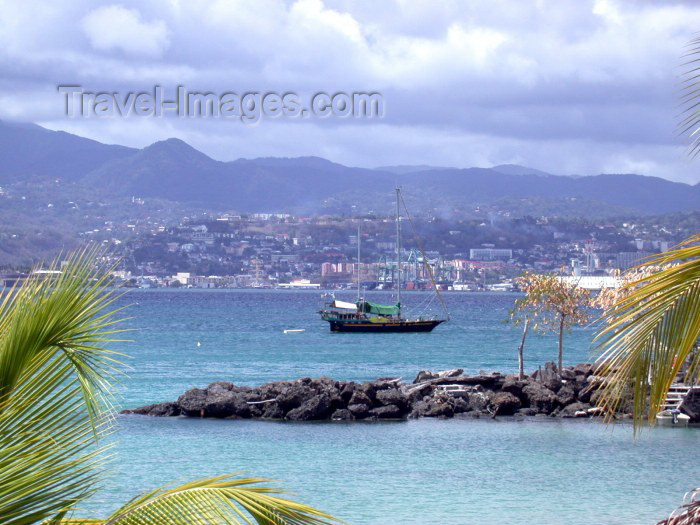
{"x": 59, "y": 190}
{"x": 175, "y": 171}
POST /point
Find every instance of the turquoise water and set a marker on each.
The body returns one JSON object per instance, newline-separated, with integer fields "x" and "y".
{"x": 416, "y": 472}
{"x": 242, "y": 340}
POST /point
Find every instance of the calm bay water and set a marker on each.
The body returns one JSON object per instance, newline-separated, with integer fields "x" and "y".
{"x": 242, "y": 340}
{"x": 417, "y": 472}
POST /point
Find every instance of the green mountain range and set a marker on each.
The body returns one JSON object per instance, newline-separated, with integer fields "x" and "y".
{"x": 175, "y": 171}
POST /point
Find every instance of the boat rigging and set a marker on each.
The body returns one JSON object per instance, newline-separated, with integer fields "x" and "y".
{"x": 365, "y": 316}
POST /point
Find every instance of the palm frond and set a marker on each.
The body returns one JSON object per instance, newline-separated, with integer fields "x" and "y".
{"x": 55, "y": 381}
{"x": 688, "y": 513}
{"x": 652, "y": 331}
{"x": 225, "y": 499}
{"x": 690, "y": 98}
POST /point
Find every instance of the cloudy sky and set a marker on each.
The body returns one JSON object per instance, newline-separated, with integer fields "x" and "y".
{"x": 570, "y": 87}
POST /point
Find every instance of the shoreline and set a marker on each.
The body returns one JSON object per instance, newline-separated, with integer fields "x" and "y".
{"x": 548, "y": 392}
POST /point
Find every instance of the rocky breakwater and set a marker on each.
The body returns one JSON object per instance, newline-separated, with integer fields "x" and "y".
{"x": 571, "y": 392}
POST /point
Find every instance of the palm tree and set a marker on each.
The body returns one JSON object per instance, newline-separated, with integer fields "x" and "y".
{"x": 56, "y": 378}
{"x": 652, "y": 330}
{"x": 653, "y": 327}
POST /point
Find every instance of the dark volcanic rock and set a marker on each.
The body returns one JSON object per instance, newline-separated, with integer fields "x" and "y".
{"x": 585, "y": 394}
{"x": 360, "y": 398}
{"x": 359, "y": 410}
{"x": 273, "y": 411}
{"x": 383, "y": 384}
{"x": 227, "y": 404}
{"x": 158, "y": 410}
{"x": 515, "y": 387}
{"x": 419, "y": 409}
{"x": 547, "y": 392}
{"x": 220, "y": 386}
{"x": 550, "y": 377}
{"x": 342, "y": 414}
{"x": 192, "y": 402}
{"x": 479, "y": 400}
{"x": 439, "y": 408}
{"x": 583, "y": 370}
{"x": 595, "y": 397}
{"x": 526, "y": 412}
{"x": 347, "y": 391}
{"x": 505, "y": 404}
{"x": 392, "y": 396}
{"x": 460, "y": 405}
{"x": 541, "y": 398}
{"x": 293, "y": 395}
{"x": 570, "y": 410}
{"x": 367, "y": 389}
{"x": 625, "y": 403}
{"x": 271, "y": 390}
{"x": 387, "y": 412}
{"x": 691, "y": 406}
{"x": 566, "y": 395}
{"x": 335, "y": 399}
{"x": 568, "y": 374}
{"x": 256, "y": 409}
{"x": 165, "y": 410}
{"x": 318, "y": 407}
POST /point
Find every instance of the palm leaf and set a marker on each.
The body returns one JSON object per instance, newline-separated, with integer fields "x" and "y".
{"x": 224, "y": 499}
{"x": 55, "y": 386}
{"x": 690, "y": 98}
{"x": 652, "y": 331}
{"x": 55, "y": 379}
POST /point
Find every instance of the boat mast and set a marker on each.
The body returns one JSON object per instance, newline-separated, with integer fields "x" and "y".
{"x": 358, "y": 264}
{"x": 398, "y": 248}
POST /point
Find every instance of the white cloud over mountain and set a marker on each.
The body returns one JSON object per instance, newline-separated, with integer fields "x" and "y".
{"x": 115, "y": 27}
{"x": 566, "y": 86}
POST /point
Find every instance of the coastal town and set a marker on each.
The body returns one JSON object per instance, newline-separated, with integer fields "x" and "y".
{"x": 323, "y": 262}
{"x": 280, "y": 250}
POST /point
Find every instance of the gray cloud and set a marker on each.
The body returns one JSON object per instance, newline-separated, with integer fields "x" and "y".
{"x": 566, "y": 86}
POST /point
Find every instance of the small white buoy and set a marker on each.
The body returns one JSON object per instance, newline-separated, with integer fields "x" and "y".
{"x": 294, "y": 331}
{"x": 199, "y": 344}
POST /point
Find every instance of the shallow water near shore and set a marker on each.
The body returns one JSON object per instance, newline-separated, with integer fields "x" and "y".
{"x": 449, "y": 472}
{"x": 537, "y": 470}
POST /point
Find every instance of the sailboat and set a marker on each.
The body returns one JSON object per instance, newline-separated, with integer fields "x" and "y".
{"x": 365, "y": 316}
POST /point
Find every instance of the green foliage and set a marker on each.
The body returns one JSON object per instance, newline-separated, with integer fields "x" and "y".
{"x": 652, "y": 330}
{"x": 56, "y": 378}
{"x": 552, "y": 305}
{"x": 224, "y": 499}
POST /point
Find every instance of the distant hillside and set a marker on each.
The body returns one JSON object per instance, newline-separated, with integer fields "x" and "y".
{"x": 515, "y": 169}
{"x": 175, "y": 171}
{"x": 401, "y": 170}
{"x": 28, "y": 150}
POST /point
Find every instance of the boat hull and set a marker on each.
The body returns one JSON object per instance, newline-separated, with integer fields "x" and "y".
{"x": 382, "y": 328}
{"x": 664, "y": 419}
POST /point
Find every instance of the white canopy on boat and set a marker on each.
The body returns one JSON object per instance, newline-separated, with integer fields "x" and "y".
{"x": 344, "y": 305}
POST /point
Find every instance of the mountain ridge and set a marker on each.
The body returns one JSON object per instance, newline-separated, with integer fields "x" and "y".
{"x": 174, "y": 170}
